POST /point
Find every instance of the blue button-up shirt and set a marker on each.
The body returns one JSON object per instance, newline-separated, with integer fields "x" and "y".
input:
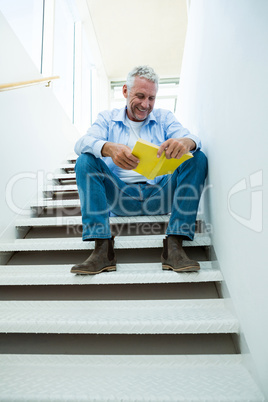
{"x": 112, "y": 126}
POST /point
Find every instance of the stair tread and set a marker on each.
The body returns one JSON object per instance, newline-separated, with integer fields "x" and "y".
{"x": 118, "y": 317}
{"x": 125, "y": 274}
{"x": 74, "y": 243}
{"x": 72, "y": 157}
{"x": 63, "y": 176}
{"x": 67, "y": 165}
{"x": 77, "y": 220}
{"x": 43, "y": 202}
{"x": 127, "y": 378}
{"x": 49, "y": 203}
{"x": 60, "y": 188}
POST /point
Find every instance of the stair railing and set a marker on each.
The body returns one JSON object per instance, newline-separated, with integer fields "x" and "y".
{"x": 21, "y": 84}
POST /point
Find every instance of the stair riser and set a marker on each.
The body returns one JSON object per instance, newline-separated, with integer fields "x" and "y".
{"x": 92, "y": 344}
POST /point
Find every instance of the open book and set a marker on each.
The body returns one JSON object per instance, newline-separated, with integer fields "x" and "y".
{"x": 150, "y": 166}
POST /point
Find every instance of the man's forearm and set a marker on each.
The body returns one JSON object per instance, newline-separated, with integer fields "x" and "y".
{"x": 107, "y": 149}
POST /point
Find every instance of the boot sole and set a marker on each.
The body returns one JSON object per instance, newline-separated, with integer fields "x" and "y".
{"x": 183, "y": 269}
{"x": 81, "y": 271}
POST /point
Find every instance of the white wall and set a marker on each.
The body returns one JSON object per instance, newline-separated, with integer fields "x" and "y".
{"x": 223, "y": 98}
{"x": 36, "y": 134}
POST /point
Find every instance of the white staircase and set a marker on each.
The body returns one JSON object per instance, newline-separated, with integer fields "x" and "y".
{"x": 137, "y": 334}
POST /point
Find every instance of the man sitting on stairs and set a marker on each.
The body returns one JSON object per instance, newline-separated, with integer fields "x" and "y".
{"x": 107, "y": 184}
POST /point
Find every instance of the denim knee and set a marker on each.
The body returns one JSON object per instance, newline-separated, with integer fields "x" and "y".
{"x": 84, "y": 161}
{"x": 200, "y": 160}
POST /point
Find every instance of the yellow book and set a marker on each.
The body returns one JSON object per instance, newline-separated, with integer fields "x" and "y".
{"x": 150, "y": 166}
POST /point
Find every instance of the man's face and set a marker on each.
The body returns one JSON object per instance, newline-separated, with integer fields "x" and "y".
{"x": 140, "y": 98}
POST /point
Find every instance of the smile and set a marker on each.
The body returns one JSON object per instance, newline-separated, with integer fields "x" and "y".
{"x": 141, "y": 110}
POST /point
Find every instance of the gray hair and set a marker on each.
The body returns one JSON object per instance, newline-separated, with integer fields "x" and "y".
{"x": 143, "y": 72}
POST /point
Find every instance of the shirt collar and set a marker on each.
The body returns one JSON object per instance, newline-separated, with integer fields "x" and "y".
{"x": 121, "y": 116}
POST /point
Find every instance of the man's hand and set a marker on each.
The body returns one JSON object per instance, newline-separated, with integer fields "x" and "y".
{"x": 120, "y": 154}
{"x": 176, "y": 147}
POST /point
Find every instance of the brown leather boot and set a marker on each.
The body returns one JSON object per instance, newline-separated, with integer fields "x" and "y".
{"x": 102, "y": 259}
{"x": 175, "y": 258}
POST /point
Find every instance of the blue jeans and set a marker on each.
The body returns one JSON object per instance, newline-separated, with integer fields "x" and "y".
{"x": 102, "y": 192}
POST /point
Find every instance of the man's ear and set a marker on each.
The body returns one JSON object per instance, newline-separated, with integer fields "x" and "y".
{"x": 124, "y": 90}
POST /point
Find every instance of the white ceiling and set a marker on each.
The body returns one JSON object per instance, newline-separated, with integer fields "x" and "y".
{"x": 132, "y": 33}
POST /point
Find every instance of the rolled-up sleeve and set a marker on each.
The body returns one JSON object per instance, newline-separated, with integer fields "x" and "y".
{"x": 96, "y": 136}
{"x": 174, "y": 129}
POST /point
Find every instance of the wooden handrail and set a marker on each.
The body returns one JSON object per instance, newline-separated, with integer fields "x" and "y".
{"x": 21, "y": 84}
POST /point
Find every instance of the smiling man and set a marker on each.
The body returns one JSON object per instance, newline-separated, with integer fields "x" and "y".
{"x": 140, "y": 98}
{"x": 107, "y": 184}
